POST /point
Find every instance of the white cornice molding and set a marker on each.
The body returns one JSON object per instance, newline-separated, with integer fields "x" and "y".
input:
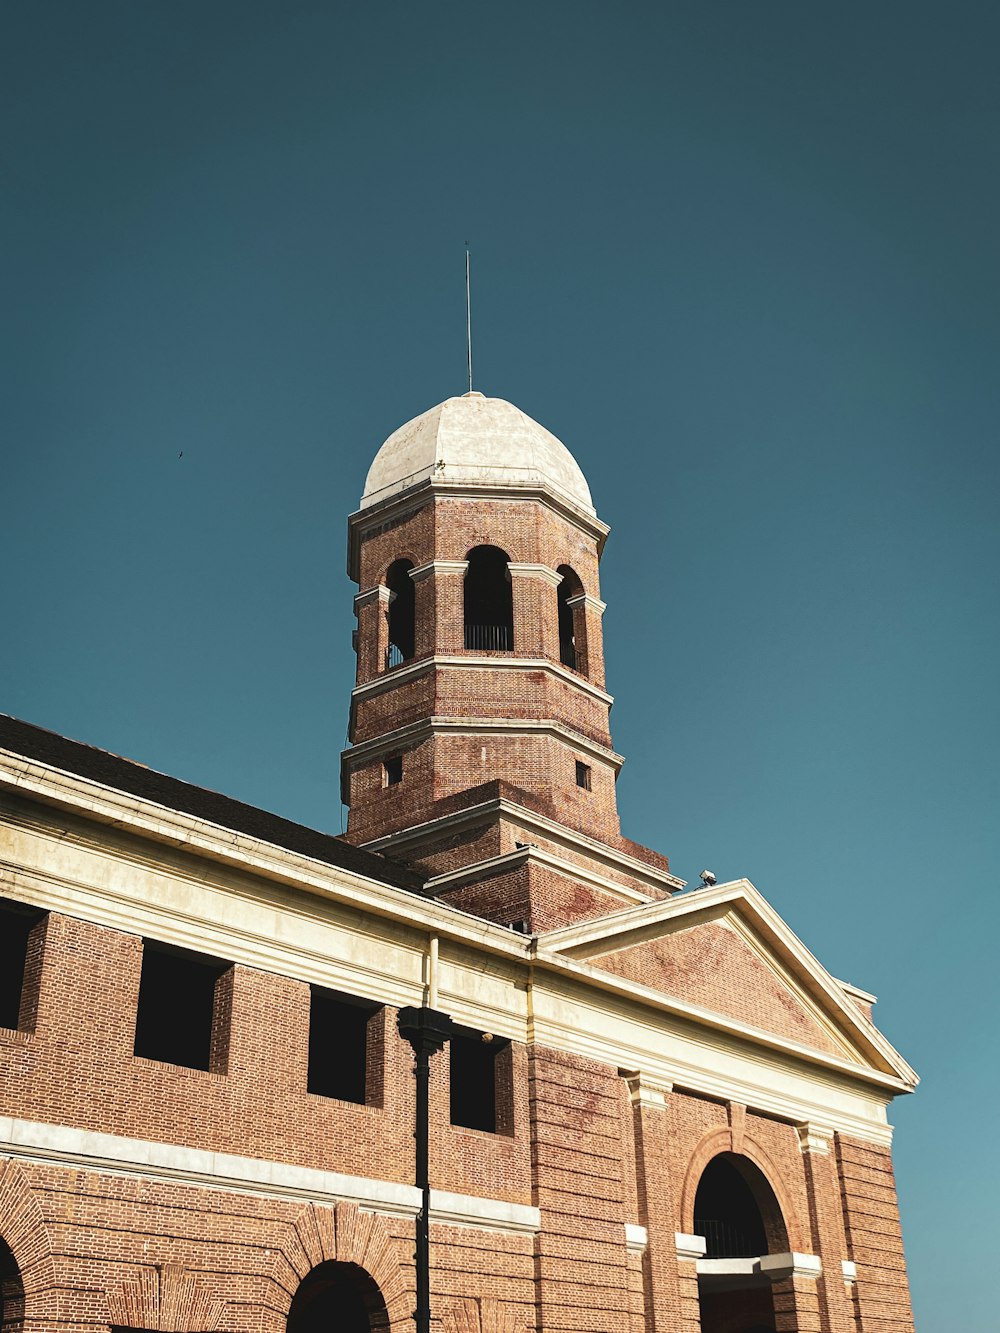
{"x": 380, "y": 593}
{"x": 435, "y": 567}
{"x": 702, "y": 1052}
{"x": 530, "y": 821}
{"x": 646, "y": 1091}
{"x": 62, "y": 1145}
{"x": 814, "y": 1138}
{"x": 591, "y": 603}
{"x": 777, "y": 1267}
{"x": 415, "y": 732}
{"x": 689, "y": 1246}
{"x": 688, "y": 909}
{"x": 636, "y": 1238}
{"x": 507, "y": 861}
{"x": 414, "y": 499}
{"x": 403, "y": 674}
{"x": 108, "y": 805}
{"x": 540, "y": 572}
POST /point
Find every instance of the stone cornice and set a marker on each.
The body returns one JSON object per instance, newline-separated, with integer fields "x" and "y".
{"x": 822, "y": 991}
{"x": 415, "y": 732}
{"x": 571, "y": 1006}
{"x": 380, "y": 593}
{"x": 540, "y": 572}
{"x": 495, "y": 865}
{"x": 411, "y": 670}
{"x": 435, "y": 567}
{"x": 414, "y": 499}
{"x": 591, "y": 603}
{"x": 543, "y": 826}
{"x": 63, "y": 1145}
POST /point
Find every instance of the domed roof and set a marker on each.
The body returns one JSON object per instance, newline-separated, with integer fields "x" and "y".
{"x": 475, "y": 441}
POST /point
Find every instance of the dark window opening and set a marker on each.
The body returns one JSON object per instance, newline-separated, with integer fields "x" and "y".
{"x": 174, "y": 1018}
{"x": 17, "y": 921}
{"x": 475, "y": 1095}
{"x": 583, "y": 775}
{"x": 488, "y": 601}
{"x": 340, "y": 1036}
{"x": 11, "y": 1290}
{"x": 726, "y": 1213}
{"x": 402, "y": 613}
{"x": 337, "y": 1295}
{"x": 570, "y": 586}
{"x": 392, "y": 770}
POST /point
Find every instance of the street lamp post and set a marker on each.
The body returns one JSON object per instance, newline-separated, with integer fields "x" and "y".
{"x": 427, "y": 1030}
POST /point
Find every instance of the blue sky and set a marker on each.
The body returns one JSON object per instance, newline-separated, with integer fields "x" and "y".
{"x": 741, "y": 258}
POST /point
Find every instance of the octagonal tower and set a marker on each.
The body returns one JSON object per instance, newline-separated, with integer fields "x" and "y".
{"x": 480, "y": 749}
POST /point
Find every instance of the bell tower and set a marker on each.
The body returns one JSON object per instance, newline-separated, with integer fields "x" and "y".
{"x": 480, "y": 750}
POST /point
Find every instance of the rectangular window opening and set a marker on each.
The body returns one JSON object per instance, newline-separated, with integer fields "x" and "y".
{"x": 480, "y": 1091}
{"x": 174, "y": 1018}
{"x": 17, "y": 921}
{"x": 392, "y": 770}
{"x": 583, "y": 775}
{"x": 344, "y": 1037}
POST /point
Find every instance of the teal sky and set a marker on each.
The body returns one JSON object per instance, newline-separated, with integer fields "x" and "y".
{"x": 742, "y": 258}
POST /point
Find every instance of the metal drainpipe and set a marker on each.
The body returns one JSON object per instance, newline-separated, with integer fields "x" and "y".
{"x": 427, "y": 1030}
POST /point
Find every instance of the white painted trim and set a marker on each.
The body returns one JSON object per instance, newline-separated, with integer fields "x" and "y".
{"x": 814, "y": 1138}
{"x": 646, "y": 1091}
{"x": 690, "y": 1246}
{"x": 415, "y": 732}
{"x": 379, "y": 593}
{"x": 636, "y": 1238}
{"x": 438, "y": 567}
{"x": 728, "y": 1267}
{"x": 591, "y": 603}
{"x": 511, "y": 860}
{"x": 114, "y": 1154}
{"x": 426, "y": 664}
{"x": 850, "y": 1270}
{"x": 685, "y": 910}
{"x": 545, "y": 827}
{"x": 465, "y": 1210}
{"x": 541, "y": 572}
{"x": 779, "y": 1266}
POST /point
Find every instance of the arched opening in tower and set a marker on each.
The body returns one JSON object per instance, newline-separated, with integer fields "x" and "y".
{"x": 402, "y": 613}
{"x": 571, "y": 638}
{"x": 489, "y": 602}
{"x": 340, "y": 1296}
{"x": 738, "y": 1215}
{"x": 11, "y": 1291}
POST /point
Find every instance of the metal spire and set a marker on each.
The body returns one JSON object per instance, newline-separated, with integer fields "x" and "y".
{"x": 468, "y": 311}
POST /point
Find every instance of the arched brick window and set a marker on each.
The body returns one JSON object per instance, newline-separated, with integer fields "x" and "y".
{"x": 488, "y": 599}
{"x": 402, "y": 614}
{"x": 337, "y": 1295}
{"x": 572, "y": 637}
{"x": 11, "y": 1291}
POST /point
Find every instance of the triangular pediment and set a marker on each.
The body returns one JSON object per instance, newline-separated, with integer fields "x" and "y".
{"x": 724, "y": 951}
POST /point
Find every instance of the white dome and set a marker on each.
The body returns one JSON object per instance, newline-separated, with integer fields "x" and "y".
{"x": 475, "y": 441}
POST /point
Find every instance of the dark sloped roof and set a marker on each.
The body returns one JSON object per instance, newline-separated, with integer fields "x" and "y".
{"x": 111, "y": 770}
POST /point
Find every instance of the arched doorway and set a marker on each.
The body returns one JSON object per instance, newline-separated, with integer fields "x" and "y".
{"x": 737, "y": 1213}
{"x": 336, "y": 1296}
{"x": 11, "y": 1292}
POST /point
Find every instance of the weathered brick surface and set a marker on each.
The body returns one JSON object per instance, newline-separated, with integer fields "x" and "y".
{"x": 874, "y": 1238}
{"x": 710, "y": 965}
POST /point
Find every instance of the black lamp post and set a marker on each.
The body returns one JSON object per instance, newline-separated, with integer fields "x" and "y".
{"x": 427, "y": 1030}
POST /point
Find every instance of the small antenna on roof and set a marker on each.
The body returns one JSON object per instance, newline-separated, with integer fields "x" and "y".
{"x": 468, "y": 310}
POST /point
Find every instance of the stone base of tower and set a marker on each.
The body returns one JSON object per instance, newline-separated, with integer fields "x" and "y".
{"x": 496, "y": 851}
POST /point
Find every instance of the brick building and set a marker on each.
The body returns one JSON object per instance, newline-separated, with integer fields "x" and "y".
{"x": 653, "y": 1111}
